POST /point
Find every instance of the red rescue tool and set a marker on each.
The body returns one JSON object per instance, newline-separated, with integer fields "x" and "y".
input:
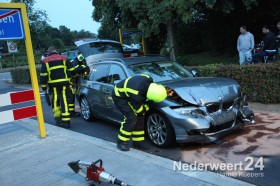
{"x": 94, "y": 172}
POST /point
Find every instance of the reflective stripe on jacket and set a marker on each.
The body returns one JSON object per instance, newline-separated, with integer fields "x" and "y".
{"x": 134, "y": 90}
{"x": 54, "y": 71}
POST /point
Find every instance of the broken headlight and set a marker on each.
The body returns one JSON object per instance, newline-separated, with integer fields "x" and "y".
{"x": 190, "y": 111}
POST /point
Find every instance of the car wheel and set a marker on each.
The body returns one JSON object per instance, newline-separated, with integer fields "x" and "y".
{"x": 159, "y": 130}
{"x": 86, "y": 109}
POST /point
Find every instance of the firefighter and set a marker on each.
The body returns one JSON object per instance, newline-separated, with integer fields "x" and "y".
{"x": 130, "y": 97}
{"x": 77, "y": 61}
{"x": 54, "y": 77}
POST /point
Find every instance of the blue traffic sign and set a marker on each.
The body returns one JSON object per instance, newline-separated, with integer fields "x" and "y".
{"x": 11, "y": 26}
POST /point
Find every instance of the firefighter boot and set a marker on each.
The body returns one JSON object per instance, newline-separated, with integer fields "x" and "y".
{"x": 74, "y": 114}
{"x": 123, "y": 145}
{"x": 58, "y": 122}
{"x": 66, "y": 125}
{"x": 141, "y": 145}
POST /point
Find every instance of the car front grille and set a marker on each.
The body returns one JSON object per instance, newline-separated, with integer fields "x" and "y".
{"x": 218, "y": 128}
{"x": 215, "y": 107}
{"x": 211, "y": 108}
{"x": 228, "y": 105}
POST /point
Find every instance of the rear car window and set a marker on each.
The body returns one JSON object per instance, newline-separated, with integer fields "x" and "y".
{"x": 100, "y": 48}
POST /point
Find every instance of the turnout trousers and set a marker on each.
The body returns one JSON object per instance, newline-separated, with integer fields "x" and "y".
{"x": 60, "y": 101}
{"x": 73, "y": 92}
{"x": 132, "y": 125}
{"x": 71, "y": 103}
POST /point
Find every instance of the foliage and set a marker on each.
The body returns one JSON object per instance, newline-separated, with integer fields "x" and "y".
{"x": 106, "y": 12}
{"x": 208, "y": 25}
{"x": 205, "y": 58}
{"x": 22, "y": 75}
{"x": 260, "y": 82}
{"x": 43, "y": 35}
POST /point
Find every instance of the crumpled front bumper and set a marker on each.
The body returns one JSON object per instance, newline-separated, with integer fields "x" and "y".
{"x": 205, "y": 129}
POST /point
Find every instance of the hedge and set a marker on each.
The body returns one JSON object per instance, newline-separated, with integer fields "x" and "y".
{"x": 22, "y": 76}
{"x": 260, "y": 82}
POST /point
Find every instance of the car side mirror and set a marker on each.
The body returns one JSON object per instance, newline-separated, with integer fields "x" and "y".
{"x": 194, "y": 72}
{"x": 116, "y": 82}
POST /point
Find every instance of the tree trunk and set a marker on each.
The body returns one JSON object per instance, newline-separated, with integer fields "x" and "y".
{"x": 170, "y": 40}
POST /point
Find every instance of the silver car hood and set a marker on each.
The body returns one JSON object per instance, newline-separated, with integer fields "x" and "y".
{"x": 200, "y": 91}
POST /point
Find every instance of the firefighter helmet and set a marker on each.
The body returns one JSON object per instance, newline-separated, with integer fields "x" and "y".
{"x": 156, "y": 93}
{"x": 81, "y": 57}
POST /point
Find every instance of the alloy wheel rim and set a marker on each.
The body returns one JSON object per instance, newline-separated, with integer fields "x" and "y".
{"x": 157, "y": 130}
{"x": 85, "y": 109}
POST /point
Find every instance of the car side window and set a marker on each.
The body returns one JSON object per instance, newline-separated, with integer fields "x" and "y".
{"x": 116, "y": 73}
{"x": 100, "y": 73}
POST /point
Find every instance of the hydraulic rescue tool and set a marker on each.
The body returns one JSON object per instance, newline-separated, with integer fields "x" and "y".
{"x": 94, "y": 172}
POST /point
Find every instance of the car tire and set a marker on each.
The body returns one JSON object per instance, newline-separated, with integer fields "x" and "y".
{"x": 159, "y": 130}
{"x": 86, "y": 110}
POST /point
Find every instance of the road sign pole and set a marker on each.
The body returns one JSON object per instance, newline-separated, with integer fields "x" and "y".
{"x": 120, "y": 34}
{"x": 33, "y": 73}
{"x": 22, "y": 31}
{"x": 144, "y": 45}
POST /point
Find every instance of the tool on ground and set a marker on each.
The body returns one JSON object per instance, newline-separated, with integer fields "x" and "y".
{"x": 94, "y": 172}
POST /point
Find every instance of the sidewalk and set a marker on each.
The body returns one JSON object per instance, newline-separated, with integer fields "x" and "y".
{"x": 25, "y": 159}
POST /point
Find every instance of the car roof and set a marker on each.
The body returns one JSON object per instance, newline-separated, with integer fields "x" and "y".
{"x": 86, "y": 41}
{"x": 135, "y": 60}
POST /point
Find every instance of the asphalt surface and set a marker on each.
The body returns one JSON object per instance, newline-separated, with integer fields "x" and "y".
{"x": 228, "y": 150}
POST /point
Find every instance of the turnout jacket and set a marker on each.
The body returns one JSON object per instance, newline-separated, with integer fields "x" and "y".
{"x": 55, "y": 69}
{"x": 77, "y": 61}
{"x": 134, "y": 90}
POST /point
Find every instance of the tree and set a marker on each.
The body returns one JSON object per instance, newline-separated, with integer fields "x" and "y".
{"x": 112, "y": 17}
{"x": 65, "y": 35}
{"x": 37, "y": 20}
{"x": 57, "y": 43}
{"x": 153, "y": 14}
{"x": 82, "y": 34}
{"x": 161, "y": 18}
{"x": 106, "y": 12}
{"x": 217, "y": 27}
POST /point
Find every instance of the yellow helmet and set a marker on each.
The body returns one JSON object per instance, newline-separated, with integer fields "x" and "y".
{"x": 156, "y": 93}
{"x": 81, "y": 57}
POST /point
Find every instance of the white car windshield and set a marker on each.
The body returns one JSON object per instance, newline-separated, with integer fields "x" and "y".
{"x": 161, "y": 71}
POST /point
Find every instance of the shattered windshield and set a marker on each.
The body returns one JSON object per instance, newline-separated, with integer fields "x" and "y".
{"x": 161, "y": 71}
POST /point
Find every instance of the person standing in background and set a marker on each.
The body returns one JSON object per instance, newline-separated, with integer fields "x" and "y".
{"x": 245, "y": 45}
{"x": 269, "y": 45}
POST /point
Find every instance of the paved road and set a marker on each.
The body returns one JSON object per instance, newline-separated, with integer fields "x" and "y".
{"x": 260, "y": 140}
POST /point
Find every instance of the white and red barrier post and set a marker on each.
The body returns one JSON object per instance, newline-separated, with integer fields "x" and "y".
{"x": 13, "y": 98}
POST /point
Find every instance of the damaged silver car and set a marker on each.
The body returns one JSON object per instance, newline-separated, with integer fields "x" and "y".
{"x": 201, "y": 109}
